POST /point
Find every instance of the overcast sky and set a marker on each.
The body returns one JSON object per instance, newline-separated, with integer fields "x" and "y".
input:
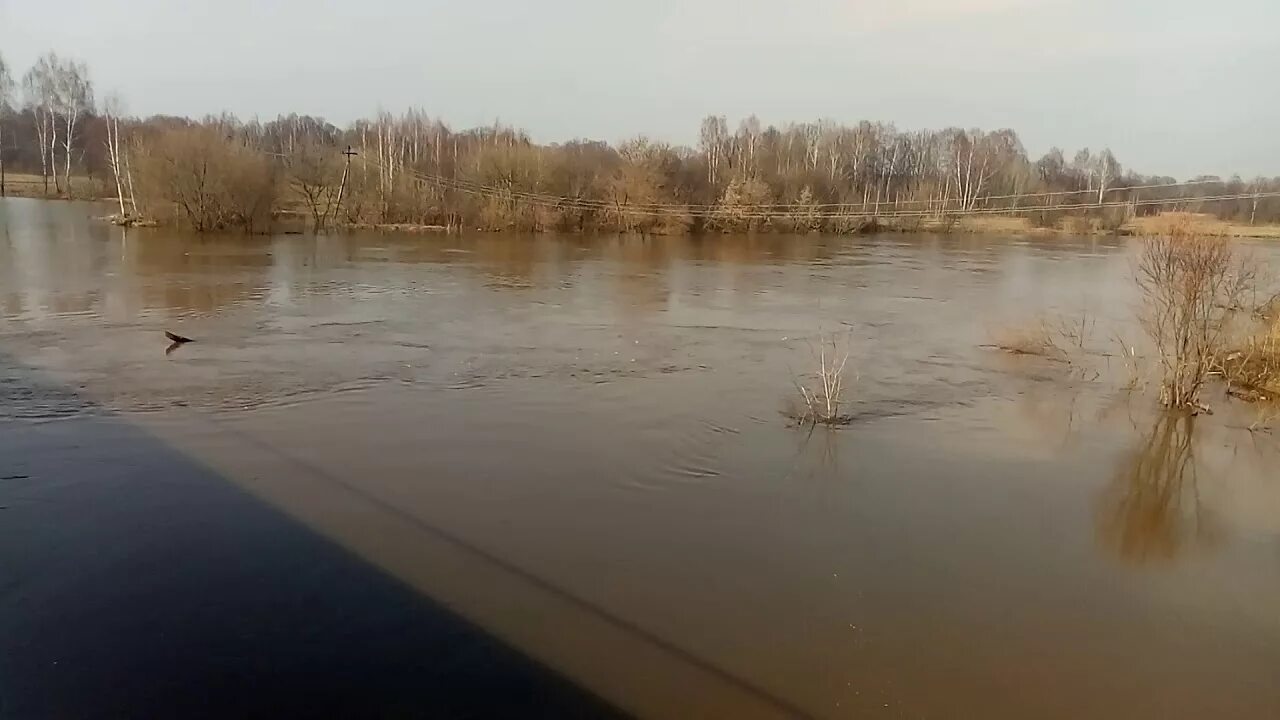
{"x": 1178, "y": 87}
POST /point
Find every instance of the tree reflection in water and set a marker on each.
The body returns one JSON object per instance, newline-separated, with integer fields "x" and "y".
{"x": 1151, "y": 511}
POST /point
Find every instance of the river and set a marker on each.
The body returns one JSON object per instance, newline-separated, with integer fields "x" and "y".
{"x": 576, "y": 445}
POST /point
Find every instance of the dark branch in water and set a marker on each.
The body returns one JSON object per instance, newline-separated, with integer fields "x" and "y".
{"x": 175, "y": 341}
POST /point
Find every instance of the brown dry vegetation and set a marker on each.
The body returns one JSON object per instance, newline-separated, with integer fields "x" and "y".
{"x": 822, "y": 390}
{"x": 1251, "y": 364}
{"x": 1060, "y": 338}
{"x": 1110, "y": 223}
{"x": 1200, "y": 223}
{"x": 1193, "y": 287}
{"x": 32, "y": 186}
{"x": 202, "y": 177}
{"x": 1202, "y": 313}
{"x": 1031, "y": 338}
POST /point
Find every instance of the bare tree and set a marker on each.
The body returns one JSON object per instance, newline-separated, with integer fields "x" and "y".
{"x": 39, "y": 88}
{"x": 111, "y": 113}
{"x": 714, "y": 135}
{"x": 210, "y": 180}
{"x": 6, "y": 98}
{"x": 74, "y": 96}
{"x": 1107, "y": 169}
{"x": 316, "y": 174}
{"x": 1085, "y": 167}
{"x": 971, "y": 165}
{"x": 748, "y": 147}
{"x": 1256, "y": 186}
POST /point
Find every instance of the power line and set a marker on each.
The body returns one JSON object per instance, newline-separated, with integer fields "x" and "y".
{"x": 844, "y": 211}
{"x": 462, "y": 184}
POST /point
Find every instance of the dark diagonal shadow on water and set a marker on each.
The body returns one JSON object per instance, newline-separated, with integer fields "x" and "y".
{"x": 137, "y": 583}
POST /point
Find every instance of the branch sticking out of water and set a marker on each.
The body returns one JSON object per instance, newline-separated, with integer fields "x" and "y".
{"x": 1134, "y": 364}
{"x": 822, "y": 391}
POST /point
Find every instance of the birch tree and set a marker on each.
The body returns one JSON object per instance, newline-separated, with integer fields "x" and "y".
{"x": 74, "y": 96}
{"x": 748, "y": 147}
{"x": 712, "y": 139}
{"x": 1107, "y": 170}
{"x": 39, "y": 90}
{"x": 1084, "y": 167}
{"x": 111, "y": 113}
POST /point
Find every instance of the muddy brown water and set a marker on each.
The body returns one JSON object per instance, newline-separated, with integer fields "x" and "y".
{"x": 577, "y": 444}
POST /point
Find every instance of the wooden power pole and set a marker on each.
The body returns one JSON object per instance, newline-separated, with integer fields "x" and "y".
{"x": 342, "y": 186}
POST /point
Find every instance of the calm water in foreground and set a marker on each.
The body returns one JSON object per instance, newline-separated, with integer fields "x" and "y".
{"x": 577, "y": 445}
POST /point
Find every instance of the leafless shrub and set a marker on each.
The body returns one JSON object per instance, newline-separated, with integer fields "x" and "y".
{"x": 1190, "y": 284}
{"x": 208, "y": 179}
{"x": 822, "y": 391}
{"x": 1074, "y": 332}
{"x": 315, "y": 175}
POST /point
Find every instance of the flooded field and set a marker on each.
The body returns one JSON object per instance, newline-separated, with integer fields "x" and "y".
{"x": 577, "y": 445}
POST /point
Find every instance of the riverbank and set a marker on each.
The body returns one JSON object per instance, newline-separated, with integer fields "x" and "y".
{"x": 26, "y": 185}
{"x": 1002, "y": 225}
{"x": 84, "y": 188}
{"x": 1152, "y": 225}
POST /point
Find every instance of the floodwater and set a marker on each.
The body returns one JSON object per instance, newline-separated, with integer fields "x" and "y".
{"x": 577, "y": 445}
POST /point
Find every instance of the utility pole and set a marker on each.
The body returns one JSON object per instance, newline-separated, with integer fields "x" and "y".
{"x": 342, "y": 186}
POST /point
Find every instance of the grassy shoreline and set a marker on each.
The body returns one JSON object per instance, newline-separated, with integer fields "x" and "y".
{"x": 1151, "y": 225}
{"x": 25, "y": 185}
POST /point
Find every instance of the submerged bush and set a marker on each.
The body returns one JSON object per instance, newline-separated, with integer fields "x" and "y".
{"x": 822, "y": 390}
{"x": 1192, "y": 285}
{"x": 206, "y": 179}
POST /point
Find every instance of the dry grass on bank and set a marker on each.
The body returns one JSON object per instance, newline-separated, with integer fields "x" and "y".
{"x": 1199, "y": 224}
{"x": 1251, "y": 367}
{"x": 1162, "y": 224}
{"x": 32, "y": 186}
{"x": 996, "y": 225}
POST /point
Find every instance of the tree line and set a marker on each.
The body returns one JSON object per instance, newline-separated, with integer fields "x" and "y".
{"x": 223, "y": 172}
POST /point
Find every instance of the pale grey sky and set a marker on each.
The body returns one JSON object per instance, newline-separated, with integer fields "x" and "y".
{"x": 1178, "y": 87}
